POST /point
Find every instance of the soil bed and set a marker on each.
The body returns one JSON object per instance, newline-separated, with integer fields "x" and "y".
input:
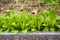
{"x": 27, "y": 5}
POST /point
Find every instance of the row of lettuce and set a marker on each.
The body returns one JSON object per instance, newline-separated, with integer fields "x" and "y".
{"x": 14, "y": 22}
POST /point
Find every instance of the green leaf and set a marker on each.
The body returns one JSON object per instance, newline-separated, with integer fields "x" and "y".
{"x": 58, "y": 26}
{"x": 23, "y": 12}
{"x": 1, "y": 30}
{"x": 40, "y": 20}
{"x": 52, "y": 12}
{"x": 52, "y": 29}
{"x": 46, "y": 29}
{"x": 7, "y": 30}
{"x": 14, "y": 24}
{"x": 45, "y": 24}
{"x": 24, "y": 31}
{"x": 57, "y": 17}
{"x": 15, "y": 31}
{"x": 4, "y": 25}
{"x": 33, "y": 30}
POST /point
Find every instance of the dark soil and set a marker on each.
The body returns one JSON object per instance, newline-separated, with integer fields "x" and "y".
{"x": 27, "y": 5}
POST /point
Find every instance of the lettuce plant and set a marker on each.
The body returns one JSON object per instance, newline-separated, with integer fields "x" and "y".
{"x": 14, "y": 22}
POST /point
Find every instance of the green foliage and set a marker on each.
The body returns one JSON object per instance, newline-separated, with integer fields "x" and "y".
{"x": 47, "y": 2}
{"x": 46, "y": 29}
{"x": 51, "y": 2}
{"x": 52, "y": 29}
{"x": 15, "y": 22}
